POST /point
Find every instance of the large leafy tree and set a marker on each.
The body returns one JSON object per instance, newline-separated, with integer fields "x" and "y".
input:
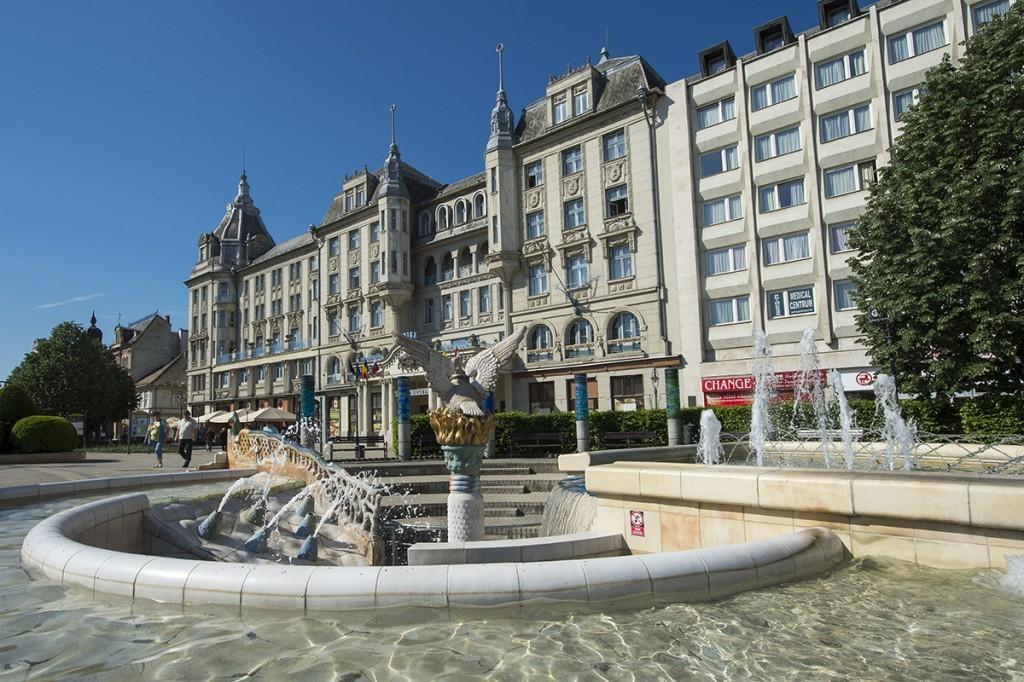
{"x": 71, "y": 372}
{"x": 941, "y": 242}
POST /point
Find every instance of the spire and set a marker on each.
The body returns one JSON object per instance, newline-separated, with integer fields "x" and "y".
{"x": 502, "y": 119}
{"x": 243, "y": 191}
{"x": 604, "y": 48}
{"x": 94, "y": 331}
{"x": 92, "y": 320}
{"x": 391, "y": 182}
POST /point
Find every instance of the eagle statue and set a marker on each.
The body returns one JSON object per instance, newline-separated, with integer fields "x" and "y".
{"x": 463, "y": 386}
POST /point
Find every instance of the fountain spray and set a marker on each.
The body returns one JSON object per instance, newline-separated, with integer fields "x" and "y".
{"x": 900, "y": 436}
{"x": 845, "y": 417}
{"x": 808, "y": 388}
{"x": 764, "y": 393}
{"x": 709, "y": 447}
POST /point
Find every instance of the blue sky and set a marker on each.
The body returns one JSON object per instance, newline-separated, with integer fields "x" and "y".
{"x": 122, "y": 123}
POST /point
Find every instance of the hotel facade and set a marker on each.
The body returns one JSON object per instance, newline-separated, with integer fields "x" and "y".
{"x": 630, "y": 224}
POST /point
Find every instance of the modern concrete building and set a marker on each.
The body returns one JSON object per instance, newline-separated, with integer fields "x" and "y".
{"x": 630, "y": 224}
{"x": 771, "y": 157}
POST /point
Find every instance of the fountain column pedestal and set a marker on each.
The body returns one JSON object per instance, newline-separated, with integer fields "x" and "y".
{"x": 465, "y": 503}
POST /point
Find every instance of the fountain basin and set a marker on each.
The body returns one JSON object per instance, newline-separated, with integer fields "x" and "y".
{"x": 88, "y": 547}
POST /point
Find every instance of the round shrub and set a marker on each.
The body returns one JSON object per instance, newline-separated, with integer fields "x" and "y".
{"x": 15, "y": 404}
{"x": 41, "y": 433}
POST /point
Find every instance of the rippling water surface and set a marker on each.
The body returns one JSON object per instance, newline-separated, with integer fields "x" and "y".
{"x": 870, "y": 620}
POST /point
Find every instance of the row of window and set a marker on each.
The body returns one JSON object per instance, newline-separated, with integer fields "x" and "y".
{"x": 354, "y": 318}
{"x": 838, "y": 181}
{"x": 623, "y": 337}
{"x": 259, "y": 373}
{"x": 781, "y": 303}
{"x": 627, "y": 394}
{"x": 466, "y": 266}
{"x": 577, "y": 270}
{"x": 465, "y": 302}
{"x": 613, "y": 146}
{"x": 783, "y": 249}
{"x": 574, "y": 212}
{"x": 447, "y": 217}
{"x": 354, "y": 239}
{"x": 580, "y": 99}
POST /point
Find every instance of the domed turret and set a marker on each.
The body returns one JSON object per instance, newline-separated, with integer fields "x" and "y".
{"x": 94, "y": 331}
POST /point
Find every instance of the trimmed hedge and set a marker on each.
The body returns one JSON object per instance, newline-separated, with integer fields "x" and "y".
{"x": 41, "y": 433}
{"x": 993, "y": 414}
{"x": 15, "y": 404}
{"x": 5, "y": 431}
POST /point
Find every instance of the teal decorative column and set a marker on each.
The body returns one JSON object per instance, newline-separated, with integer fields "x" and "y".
{"x": 404, "y": 422}
{"x": 672, "y": 413}
{"x": 582, "y": 411}
{"x": 465, "y": 503}
{"x": 492, "y": 441}
{"x": 306, "y": 400}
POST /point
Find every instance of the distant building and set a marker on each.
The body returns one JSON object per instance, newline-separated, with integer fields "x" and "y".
{"x": 153, "y": 353}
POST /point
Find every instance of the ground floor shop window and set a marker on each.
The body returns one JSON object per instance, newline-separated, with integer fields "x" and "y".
{"x": 628, "y": 393}
{"x": 570, "y": 393}
{"x": 334, "y": 417}
{"x": 353, "y": 414}
{"x": 542, "y": 397}
{"x": 376, "y": 412}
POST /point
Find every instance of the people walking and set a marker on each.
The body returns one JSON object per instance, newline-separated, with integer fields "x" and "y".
{"x": 155, "y": 436}
{"x": 186, "y": 435}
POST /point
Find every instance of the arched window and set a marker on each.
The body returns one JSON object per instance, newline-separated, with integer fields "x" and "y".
{"x": 447, "y": 268}
{"x": 479, "y": 207}
{"x": 465, "y": 262}
{"x": 334, "y": 370}
{"x": 579, "y": 339}
{"x": 430, "y": 271}
{"x": 624, "y": 334}
{"x": 539, "y": 345}
{"x": 442, "y": 217}
{"x": 460, "y": 212}
{"x": 425, "y": 224}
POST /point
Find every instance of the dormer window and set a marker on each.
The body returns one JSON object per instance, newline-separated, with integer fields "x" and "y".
{"x": 834, "y": 12}
{"x": 361, "y": 196}
{"x": 559, "y": 109}
{"x": 580, "y": 100}
{"x": 772, "y": 35}
{"x": 717, "y": 59}
{"x": 350, "y": 200}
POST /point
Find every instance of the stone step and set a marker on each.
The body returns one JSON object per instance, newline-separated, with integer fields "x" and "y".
{"x": 491, "y": 523}
{"x": 502, "y": 489}
{"x": 394, "y": 468}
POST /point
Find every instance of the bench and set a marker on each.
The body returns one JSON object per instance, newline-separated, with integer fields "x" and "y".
{"x": 360, "y": 443}
{"x": 546, "y": 442}
{"x": 832, "y": 434}
{"x": 427, "y": 446}
{"x": 630, "y": 439}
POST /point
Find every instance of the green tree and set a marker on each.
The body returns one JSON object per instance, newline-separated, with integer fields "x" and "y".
{"x": 941, "y": 242}
{"x": 71, "y": 372}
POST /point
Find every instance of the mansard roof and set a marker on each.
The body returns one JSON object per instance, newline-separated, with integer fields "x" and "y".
{"x": 242, "y": 219}
{"x": 418, "y": 185}
{"x": 620, "y": 78}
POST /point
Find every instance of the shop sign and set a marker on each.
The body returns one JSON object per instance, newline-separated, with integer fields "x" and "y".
{"x": 419, "y": 391}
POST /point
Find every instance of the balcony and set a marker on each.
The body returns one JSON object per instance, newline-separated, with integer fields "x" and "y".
{"x": 335, "y": 379}
{"x": 272, "y": 348}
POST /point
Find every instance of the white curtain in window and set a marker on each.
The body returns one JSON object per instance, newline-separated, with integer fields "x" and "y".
{"x": 830, "y": 73}
{"x": 857, "y": 64}
{"x": 714, "y": 212}
{"x": 721, "y": 311}
{"x": 763, "y": 147}
{"x": 787, "y": 141}
{"x": 929, "y": 38}
{"x": 707, "y": 117}
{"x": 841, "y": 237}
{"x": 772, "y": 252}
{"x": 840, "y": 181}
{"x": 862, "y": 118}
{"x": 902, "y": 102}
{"x": 739, "y": 258}
{"x": 766, "y": 197}
{"x": 783, "y": 89}
{"x": 986, "y": 13}
{"x": 734, "y": 207}
{"x": 731, "y": 158}
{"x": 796, "y": 247}
{"x": 743, "y": 309}
{"x": 759, "y": 97}
{"x": 718, "y": 261}
{"x": 898, "y": 49}
{"x": 728, "y": 109}
{"x": 835, "y": 126}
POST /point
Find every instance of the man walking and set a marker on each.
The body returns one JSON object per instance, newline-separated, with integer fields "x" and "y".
{"x": 186, "y": 435}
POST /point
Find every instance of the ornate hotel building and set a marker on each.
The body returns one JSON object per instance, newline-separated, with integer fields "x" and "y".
{"x": 629, "y": 224}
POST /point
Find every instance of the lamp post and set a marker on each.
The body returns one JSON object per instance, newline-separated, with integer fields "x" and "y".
{"x": 654, "y": 384}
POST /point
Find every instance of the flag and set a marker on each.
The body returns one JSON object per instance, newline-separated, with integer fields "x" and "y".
{"x": 376, "y": 367}
{"x": 364, "y": 371}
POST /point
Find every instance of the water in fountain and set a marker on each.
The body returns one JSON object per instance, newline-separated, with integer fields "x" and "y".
{"x": 709, "y": 446}
{"x": 900, "y": 436}
{"x": 568, "y": 509}
{"x": 235, "y": 487}
{"x": 764, "y": 393}
{"x": 845, "y": 418}
{"x": 808, "y": 389}
{"x": 1013, "y": 579}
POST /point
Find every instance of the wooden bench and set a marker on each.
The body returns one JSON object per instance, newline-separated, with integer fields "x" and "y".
{"x": 832, "y": 434}
{"x": 546, "y": 442}
{"x": 630, "y": 439}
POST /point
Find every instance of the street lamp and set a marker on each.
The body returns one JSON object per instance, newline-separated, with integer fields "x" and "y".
{"x": 879, "y": 317}
{"x": 654, "y": 383}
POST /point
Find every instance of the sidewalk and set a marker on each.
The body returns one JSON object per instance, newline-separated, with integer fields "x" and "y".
{"x": 98, "y": 465}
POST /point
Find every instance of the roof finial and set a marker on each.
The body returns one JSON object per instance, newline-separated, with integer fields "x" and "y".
{"x": 243, "y": 161}
{"x": 92, "y": 320}
{"x": 394, "y": 110}
{"x": 604, "y": 48}
{"x": 500, "y": 49}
